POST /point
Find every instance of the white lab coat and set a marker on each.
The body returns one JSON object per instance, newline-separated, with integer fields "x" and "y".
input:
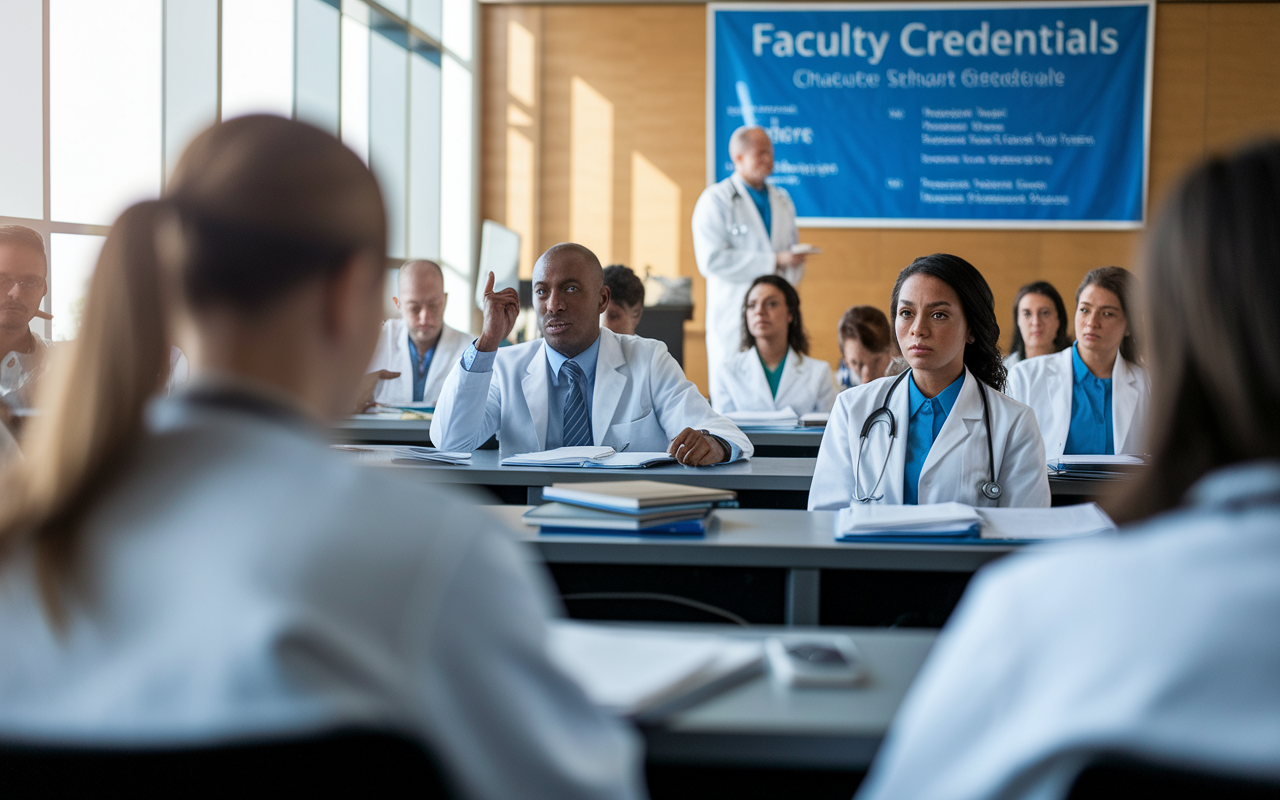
{"x": 806, "y": 385}
{"x": 1158, "y": 643}
{"x": 957, "y": 464}
{"x": 641, "y": 401}
{"x": 732, "y": 249}
{"x": 1046, "y": 384}
{"x": 392, "y": 354}
{"x": 244, "y": 581}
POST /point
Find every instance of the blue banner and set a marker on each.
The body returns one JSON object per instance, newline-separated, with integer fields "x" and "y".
{"x": 1004, "y": 115}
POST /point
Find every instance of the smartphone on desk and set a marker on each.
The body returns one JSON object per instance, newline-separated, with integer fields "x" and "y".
{"x": 814, "y": 660}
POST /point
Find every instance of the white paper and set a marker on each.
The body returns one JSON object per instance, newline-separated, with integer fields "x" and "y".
{"x": 630, "y": 460}
{"x": 785, "y": 416}
{"x": 430, "y": 454}
{"x": 931, "y": 517}
{"x": 1061, "y": 522}
{"x": 1091, "y": 459}
{"x": 627, "y": 669}
{"x": 560, "y": 455}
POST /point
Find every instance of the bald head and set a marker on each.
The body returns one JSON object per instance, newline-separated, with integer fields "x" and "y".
{"x": 411, "y": 270}
{"x": 752, "y": 153}
{"x": 569, "y": 295}
{"x": 421, "y": 299}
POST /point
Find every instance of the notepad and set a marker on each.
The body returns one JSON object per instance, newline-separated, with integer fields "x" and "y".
{"x": 559, "y": 457}
{"x": 1061, "y": 522}
{"x": 782, "y": 417}
{"x": 648, "y": 674}
{"x": 935, "y": 519}
{"x": 417, "y": 455}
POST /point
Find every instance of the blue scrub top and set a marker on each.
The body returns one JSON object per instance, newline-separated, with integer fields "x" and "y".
{"x": 761, "y": 198}
{"x": 1091, "y": 425}
{"x": 927, "y": 416}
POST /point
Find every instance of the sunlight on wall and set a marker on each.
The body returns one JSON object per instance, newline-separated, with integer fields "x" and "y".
{"x": 655, "y": 219}
{"x": 591, "y": 169}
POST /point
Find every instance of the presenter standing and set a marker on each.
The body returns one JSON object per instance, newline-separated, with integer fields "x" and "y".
{"x": 743, "y": 228}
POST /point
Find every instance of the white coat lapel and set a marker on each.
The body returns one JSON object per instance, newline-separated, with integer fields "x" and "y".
{"x": 611, "y": 380}
{"x": 1124, "y": 401}
{"x": 534, "y": 385}
{"x": 961, "y": 424}
{"x": 401, "y": 361}
{"x": 895, "y": 470}
{"x": 1060, "y": 384}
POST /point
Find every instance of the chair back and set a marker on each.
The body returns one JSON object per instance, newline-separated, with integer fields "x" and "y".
{"x": 363, "y": 763}
{"x": 1116, "y": 778}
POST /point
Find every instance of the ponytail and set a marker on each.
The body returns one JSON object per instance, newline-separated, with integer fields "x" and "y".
{"x": 256, "y": 207}
{"x": 92, "y": 400}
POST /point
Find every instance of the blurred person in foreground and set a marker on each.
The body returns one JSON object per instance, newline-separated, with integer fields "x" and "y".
{"x": 206, "y": 570}
{"x": 1157, "y": 643}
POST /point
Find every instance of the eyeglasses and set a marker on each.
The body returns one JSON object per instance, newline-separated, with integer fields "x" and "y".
{"x": 7, "y": 282}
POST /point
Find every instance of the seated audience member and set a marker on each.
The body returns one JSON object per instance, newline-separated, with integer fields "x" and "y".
{"x": 415, "y": 351}
{"x": 1091, "y": 398}
{"x": 210, "y": 572}
{"x": 771, "y": 371}
{"x": 941, "y": 431}
{"x": 868, "y": 349}
{"x": 1153, "y": 644}
{"x": 626, "y": 300}
{"x": 1039, "y": 323}
{"x": 581, "y": 385}
{"x": 23, "y": 268}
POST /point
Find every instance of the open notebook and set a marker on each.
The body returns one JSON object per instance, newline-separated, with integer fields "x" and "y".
{"x": 647, "y": 674}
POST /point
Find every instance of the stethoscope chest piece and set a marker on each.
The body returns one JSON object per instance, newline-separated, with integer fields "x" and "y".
{"x": 991, "y": 490}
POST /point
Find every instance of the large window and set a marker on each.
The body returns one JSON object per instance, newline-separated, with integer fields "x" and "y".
{"x": 102, "y": 96}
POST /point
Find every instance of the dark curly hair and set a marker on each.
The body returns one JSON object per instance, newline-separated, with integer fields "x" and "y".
{"x": 982, "y": 355}
{"x": 796, "y": 336}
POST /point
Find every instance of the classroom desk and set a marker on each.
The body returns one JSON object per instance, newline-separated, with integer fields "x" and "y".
{"x": 759, "y": 482}
{"x": 757, "y": 724}
{"x": 370, "y": 429}
{"x": 798, "y": 544}
{"x": 786, "y": 442}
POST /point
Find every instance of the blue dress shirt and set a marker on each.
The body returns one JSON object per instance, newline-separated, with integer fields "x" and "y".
{"x": 475, "y": 361}
{"x": 421, "y": 366}
{"x": 761, "y": 198}
{"x": 927, "y": 416}
{"x": 558, "y": 390}
{"x": 1091, "y": 426}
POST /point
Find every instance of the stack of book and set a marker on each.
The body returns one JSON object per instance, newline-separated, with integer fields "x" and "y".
{"x": 627, "y": 507}
{"x": 1096, "y": 467}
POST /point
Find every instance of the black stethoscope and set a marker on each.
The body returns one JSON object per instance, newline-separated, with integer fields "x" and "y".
{"x": 736, "y": 228}
{"x": 990, "y": 489}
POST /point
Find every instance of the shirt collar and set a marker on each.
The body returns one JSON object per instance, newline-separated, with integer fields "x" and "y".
{"x": 586, "y": 359}
{"x": 1082, "y": 372}
{"x": 947, "y": 397}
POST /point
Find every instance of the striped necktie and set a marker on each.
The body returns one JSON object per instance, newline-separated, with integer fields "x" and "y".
{"x": 577, "y": 425}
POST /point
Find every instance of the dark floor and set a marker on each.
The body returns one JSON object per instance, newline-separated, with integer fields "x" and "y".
{"x": 668, "y": 782}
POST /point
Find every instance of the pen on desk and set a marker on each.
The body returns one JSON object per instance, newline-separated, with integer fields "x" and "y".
{"x": 624, "y": 447}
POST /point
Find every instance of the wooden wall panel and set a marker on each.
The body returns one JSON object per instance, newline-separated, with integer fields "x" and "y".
{"x": 1216, "y": 81}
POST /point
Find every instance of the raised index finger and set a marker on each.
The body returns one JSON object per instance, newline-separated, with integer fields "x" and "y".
{"x": 488, "y": 285}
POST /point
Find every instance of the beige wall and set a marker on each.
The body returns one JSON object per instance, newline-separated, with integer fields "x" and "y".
{"x": 593, "y": 129}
